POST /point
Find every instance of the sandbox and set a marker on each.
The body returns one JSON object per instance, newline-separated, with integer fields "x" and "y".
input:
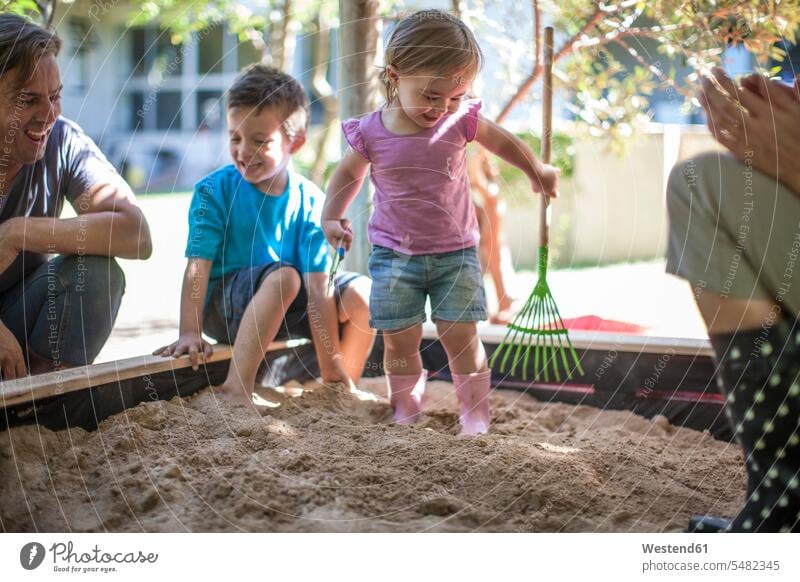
{"x": 320, "y": 460}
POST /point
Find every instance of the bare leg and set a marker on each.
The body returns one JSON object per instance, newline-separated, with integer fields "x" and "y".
{"x": 729, "y": 314}
{"x": 357, "y": 335}
{"x": 261, "y": 321}
{"x": 494, "y": 217}
{"x": 401, "y": 353}
{"x": 465, "y": 351}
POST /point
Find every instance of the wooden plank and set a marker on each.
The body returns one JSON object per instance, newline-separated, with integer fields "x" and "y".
{"x": 71, "y": 380}
{"x": 604, "y": 341}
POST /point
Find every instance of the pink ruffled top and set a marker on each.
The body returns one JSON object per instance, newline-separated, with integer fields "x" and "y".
{"x": 422, "y": 202}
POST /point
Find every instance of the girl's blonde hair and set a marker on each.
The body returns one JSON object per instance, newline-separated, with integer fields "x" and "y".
{"x": 431, "y": 41}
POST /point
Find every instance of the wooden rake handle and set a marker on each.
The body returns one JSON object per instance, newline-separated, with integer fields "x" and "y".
{"x": 547, "y": 130}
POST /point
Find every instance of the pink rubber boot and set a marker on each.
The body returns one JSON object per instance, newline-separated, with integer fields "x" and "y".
{"x": 473, "y": 398}
{"x": 405, "y": 395}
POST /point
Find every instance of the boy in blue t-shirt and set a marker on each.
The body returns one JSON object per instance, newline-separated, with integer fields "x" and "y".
{"x": 257, "y": 256}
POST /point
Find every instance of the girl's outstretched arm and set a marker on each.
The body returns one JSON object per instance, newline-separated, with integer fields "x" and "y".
{"x": 506, "y": 145}
{"x": 343, "y": 187}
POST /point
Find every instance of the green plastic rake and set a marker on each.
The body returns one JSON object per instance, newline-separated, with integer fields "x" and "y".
{"x": 538, "y": 331}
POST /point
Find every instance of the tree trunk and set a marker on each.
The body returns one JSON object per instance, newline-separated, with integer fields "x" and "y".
{"x": 359, "y": 36}
{"x": 279, "y": 50}
{"x": 324, "y": 94}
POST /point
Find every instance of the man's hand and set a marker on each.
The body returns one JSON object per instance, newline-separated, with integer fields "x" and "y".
{"x": 10, "y": 245}
{"x": 757, "y": 121}
{"x": 12, "y": 362}
{"x": 188, "y": 343}
{"x": 547, "y": 181}
{"x": 338, "y": 233}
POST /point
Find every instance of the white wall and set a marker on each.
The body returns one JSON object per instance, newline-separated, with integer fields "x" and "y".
{"x": 613, "y": 208}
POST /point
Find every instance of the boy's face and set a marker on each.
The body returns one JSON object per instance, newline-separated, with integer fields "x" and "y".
{"x": 259, "y": 147}
{"x": 426, "y": 98}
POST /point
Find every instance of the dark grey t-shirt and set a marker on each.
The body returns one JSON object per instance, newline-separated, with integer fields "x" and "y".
{"x": 72, "y": 164}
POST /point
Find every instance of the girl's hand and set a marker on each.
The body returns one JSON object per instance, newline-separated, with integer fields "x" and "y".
{"x": 547, "y": 181}
{"x": 338, "y": 232}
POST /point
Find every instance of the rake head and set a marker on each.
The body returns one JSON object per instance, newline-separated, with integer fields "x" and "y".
{"x": 538, "y": 330}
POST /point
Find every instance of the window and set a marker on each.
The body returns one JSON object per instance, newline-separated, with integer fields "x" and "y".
{"x": 168, "y": 57}
{"x": 210, "y": 42}
{"x": 247, "y": 54}
{"x": 168, "y": 110}
{"x": 137, "y": 113}
{"x": 210, "y": 110}
{"x": 152, "y": 51}
{"x": 83, "y": 41}
{"x": 170, "y": 87}
{"x": 138, "y": 38}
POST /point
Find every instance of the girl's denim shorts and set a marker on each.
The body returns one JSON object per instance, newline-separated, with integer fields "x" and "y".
{"x": 402, "y": 283}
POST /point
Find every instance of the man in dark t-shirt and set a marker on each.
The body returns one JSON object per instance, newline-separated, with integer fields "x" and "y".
{"x": 60, "y": 288}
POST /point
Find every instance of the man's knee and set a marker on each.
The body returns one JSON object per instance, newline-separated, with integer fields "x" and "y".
{"x": 92, "y": 274}
{"x": 87, "y": 295}
{"x": 700, "y": 176}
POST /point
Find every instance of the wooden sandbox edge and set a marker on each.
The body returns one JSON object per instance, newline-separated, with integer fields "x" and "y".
{"x": 32, "y": 388}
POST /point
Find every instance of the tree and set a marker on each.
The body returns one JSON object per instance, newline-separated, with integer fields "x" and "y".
{"x": 43, "y": 10}
{"x": 272, "y": 29}
{"x": 658, "y": 35}
{"x": 611, "y": 98}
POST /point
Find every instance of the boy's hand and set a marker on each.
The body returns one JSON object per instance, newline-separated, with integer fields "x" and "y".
{"x": 338, "y": 376}
{"x": 338, "y": 232}
{"x": 547, "y": 181}
{"x": 188, "y": 343}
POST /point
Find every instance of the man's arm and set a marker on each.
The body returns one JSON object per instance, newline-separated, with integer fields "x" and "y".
{"x": 109, "y": 223}
{"x": 324, "y": 322}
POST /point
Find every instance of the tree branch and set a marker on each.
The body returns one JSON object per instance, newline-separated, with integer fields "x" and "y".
{"x": 652, "y": 68}
{"x": 537, "y": 37}
{"x": 649, "y": 32}
{"x": 52, "y": 14}
{"x": 535, "y": 74}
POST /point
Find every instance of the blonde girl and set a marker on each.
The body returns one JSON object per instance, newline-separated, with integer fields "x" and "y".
{"x": 423, "y": 229}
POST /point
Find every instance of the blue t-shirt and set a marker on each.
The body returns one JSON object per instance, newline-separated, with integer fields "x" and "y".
{"x": 236, "y": 226}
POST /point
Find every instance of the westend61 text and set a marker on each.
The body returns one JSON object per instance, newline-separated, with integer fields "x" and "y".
{"x": 675, "y": 549}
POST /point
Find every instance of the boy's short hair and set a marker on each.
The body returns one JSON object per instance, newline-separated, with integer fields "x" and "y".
{"x": 261, "y": 86}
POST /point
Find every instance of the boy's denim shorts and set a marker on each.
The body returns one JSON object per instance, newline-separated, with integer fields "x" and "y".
{"x": 233, "y": 292}
{"x": 401, "y": 284}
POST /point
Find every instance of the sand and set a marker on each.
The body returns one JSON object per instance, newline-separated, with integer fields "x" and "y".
{"x": 325, "y": 461}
